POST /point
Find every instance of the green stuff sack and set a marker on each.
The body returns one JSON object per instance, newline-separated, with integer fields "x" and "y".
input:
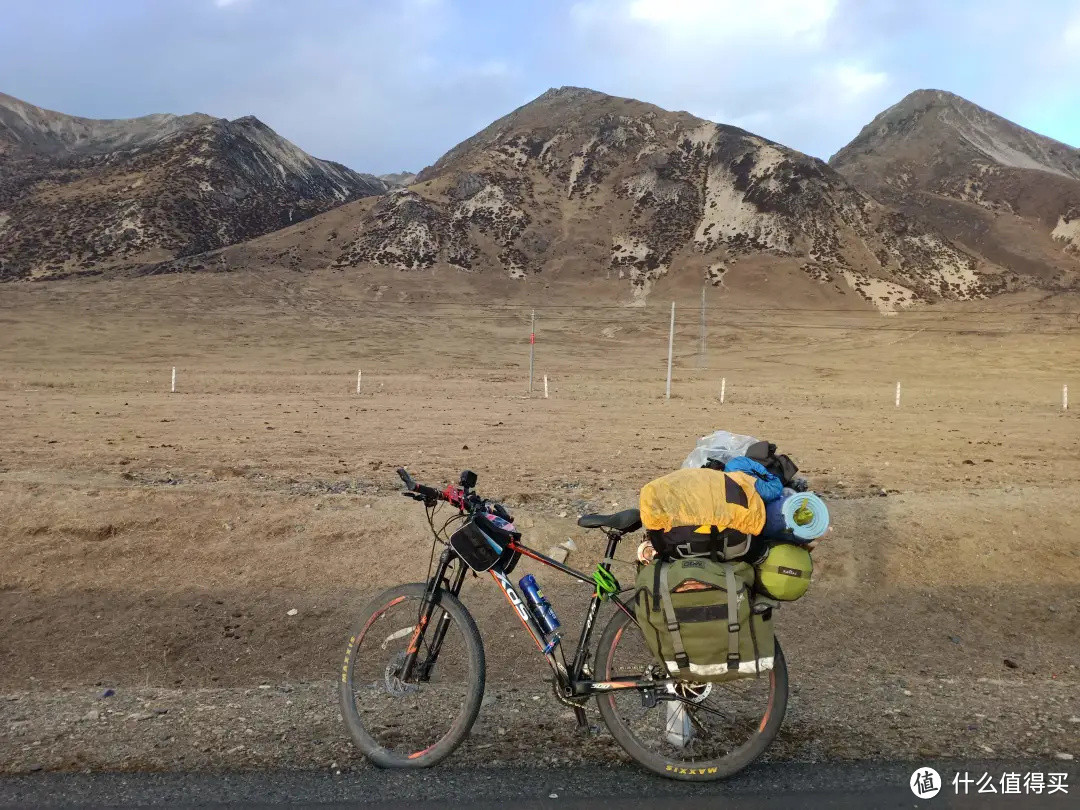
{"x": 784, "y": 573}
{"x": 683, "y": 608}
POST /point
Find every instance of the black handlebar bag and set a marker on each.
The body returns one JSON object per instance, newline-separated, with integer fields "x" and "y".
{"x": 483, "y": 542}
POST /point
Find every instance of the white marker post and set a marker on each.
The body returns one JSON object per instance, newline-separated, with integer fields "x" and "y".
{"x": 1064, "y": 397}
{"x": 173, "y": 389}
{"x": 359, "y": 376}
{"x": 670, "y": 346}
{"x": 723, "y": 385}
{"x": 898, "y": 394}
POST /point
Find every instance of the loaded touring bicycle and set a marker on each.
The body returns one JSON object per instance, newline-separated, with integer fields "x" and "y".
{"x": 413, "y": 676}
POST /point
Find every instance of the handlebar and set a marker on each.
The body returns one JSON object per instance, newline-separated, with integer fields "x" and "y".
{"x": 458, "y": 496}
{"x": 429, "y": 493}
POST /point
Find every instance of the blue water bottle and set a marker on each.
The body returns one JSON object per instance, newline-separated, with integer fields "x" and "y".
{"x": 541, "y": 607}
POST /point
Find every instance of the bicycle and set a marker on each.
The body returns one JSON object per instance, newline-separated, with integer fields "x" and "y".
{"x": 418, "y": 642}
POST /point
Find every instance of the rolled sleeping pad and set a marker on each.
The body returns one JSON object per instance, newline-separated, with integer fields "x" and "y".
{"x": 783, "y": 518}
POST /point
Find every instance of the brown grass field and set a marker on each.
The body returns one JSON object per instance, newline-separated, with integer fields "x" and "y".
{"x": 157, "y": 539}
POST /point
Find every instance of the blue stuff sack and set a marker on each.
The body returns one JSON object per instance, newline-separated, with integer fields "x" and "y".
{"x": 768, "y": 486}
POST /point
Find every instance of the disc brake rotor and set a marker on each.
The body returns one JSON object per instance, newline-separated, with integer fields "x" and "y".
{"x": 693, "y": 692}
{"x": 392, "y": 677}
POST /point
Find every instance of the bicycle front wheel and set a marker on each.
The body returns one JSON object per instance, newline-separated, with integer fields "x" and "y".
{"x": 415, "y": 721}
{"x": 702, "y": 732}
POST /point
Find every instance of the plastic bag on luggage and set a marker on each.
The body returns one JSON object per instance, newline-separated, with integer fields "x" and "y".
{"x": 721, "y": 445}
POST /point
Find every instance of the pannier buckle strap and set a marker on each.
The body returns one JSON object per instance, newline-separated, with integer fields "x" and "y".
{"x": 733, "y": 616}
{"x": 681, "y": 658}
{"x": 687, "y": 550}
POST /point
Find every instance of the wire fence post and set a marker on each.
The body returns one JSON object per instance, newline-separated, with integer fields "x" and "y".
{"x": 723, "y": 386}
{"x": 545, "y": 387}
{"x": 670, "y": 346}
{"x": 359, "y": 373}
{"x": 897, "y": 393}
{"x": 532, "y": 348}
{"x": 173, "y": 388}
{"x": 1065, "y": 397}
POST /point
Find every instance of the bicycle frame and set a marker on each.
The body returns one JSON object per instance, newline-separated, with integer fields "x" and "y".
{"x": 570, "y": 681}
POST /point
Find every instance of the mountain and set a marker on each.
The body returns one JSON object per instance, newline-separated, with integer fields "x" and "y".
{"x": 578, "y": 185}
{"x": 1005, "y": 192}
{"x": 80, "y": 196}
{"x": 398, "y": 179}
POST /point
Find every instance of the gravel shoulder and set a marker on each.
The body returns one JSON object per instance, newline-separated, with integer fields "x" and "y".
{"x": 297, "y": 726}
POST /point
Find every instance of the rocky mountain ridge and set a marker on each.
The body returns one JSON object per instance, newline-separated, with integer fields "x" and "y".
{"x": 577, "y": 177}
{"x": 79, "y": 195}
{"x": 575, "y": 185}
{"x": 1000, "y": 189}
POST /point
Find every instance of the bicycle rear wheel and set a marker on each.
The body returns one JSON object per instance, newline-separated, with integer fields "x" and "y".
{"x": 702, "y": 732}
{"x": 418, "y": 722}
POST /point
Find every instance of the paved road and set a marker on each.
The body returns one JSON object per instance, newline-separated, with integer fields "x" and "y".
{"x": 847, "y": 786}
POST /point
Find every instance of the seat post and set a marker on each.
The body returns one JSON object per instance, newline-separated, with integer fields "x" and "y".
{"x": 613, "y": 538}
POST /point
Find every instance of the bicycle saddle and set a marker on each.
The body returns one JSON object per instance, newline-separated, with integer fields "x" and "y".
{"x": 628, "y": 520}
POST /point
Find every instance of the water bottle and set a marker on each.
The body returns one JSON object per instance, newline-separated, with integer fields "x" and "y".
{"x": 541, "y": 607}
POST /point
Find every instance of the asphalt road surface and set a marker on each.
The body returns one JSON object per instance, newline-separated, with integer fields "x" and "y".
{"x": 832, "y": 786}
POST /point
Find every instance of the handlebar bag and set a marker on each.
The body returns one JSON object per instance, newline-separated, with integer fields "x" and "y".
{"x": 482, "y": 542}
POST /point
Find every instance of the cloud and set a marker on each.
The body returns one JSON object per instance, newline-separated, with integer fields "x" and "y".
{"x": 855, "y": 81}
{"x": 726, "y": 19}
{"x": 773, "y": 67}
{"x": 1071, "y": 37}
{"x": 798, "y": 22}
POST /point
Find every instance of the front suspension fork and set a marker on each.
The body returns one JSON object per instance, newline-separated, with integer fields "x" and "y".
{"x": 440, "y": 581}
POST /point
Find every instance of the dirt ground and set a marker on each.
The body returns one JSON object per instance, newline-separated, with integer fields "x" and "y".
{"x": 158, "y": 541}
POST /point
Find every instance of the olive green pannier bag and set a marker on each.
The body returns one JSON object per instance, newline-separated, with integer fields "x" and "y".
{"x": 700, "y": 618}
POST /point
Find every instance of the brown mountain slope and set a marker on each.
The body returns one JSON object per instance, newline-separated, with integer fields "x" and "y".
{"x": 1005, "y": 192}
{"x": 79, "y": 195}
{"x": 580, "y": 184}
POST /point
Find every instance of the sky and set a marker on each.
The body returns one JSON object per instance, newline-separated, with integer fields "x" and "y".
{"x": 391, "y": 85}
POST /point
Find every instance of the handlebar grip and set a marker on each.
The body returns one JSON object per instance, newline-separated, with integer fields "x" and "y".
{"x": 407, "y": 479}
{"x": 430, "y": 493}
